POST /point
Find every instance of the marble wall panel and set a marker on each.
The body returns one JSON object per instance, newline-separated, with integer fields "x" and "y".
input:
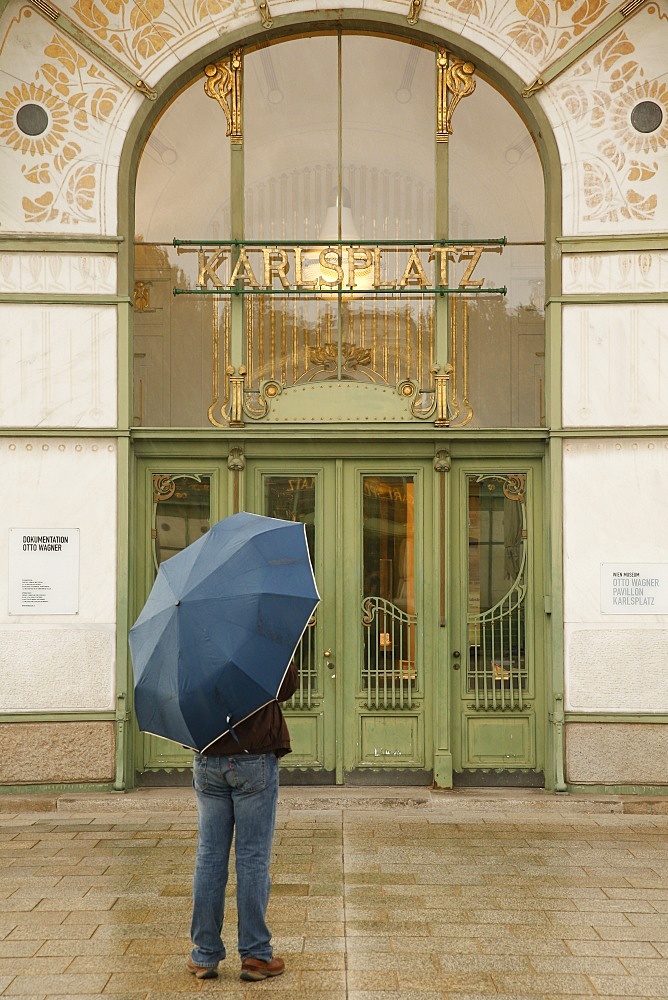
{"x": 58, "y": 662}
{"x": 59, "y": 273}
{"x": 612, "y": 363}
{"x": 612, "y": 492}
{"x": 58, "y": 365}
{"x": 66, "y": 669}
{"x": 624, "y": 271}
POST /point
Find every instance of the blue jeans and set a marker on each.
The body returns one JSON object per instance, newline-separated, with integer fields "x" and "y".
{"x": 236, "y": 798}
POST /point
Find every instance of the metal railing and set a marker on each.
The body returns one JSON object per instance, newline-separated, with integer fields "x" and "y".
{"x": 389, "y": 671}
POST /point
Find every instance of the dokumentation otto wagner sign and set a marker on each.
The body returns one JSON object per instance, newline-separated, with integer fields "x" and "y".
{"x": 440, "y": 267}
{"x": 43, "y": 571}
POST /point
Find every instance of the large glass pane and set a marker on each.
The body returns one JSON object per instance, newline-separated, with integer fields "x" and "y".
{"x": 293, "y": 498}
{"x": 497, "y": 669}
{"x": 496, "y": 179}
{"x": 183, "y": 178}
{"x": 388, "y": 605}
{"x": 388, "y": 120}
{"x": 290, "y": 138}
{"x": 497, "y": 344}
{"x": 180, "y": 343}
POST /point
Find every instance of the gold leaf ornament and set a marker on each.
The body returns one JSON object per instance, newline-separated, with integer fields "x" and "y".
{"x": 39, "y": 210}
{"x": 90, "y": 14}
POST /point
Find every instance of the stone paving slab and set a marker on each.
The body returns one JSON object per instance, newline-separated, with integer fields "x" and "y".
{"x": 388, "y": 895}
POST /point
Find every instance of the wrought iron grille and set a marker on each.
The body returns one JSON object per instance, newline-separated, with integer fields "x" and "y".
{"x": 389, "y": 672}
{"x": 306, "y": 668}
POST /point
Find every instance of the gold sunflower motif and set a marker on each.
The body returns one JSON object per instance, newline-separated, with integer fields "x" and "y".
{"x": 640, "y": 142}
{"x": 33, "y": 145}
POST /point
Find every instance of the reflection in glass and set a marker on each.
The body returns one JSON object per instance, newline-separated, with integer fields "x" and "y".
{"x": 388, "y": 605}
{"x": 293, "y": 498}
{"x": 497, "y": 669}
{"x": 181, "y": 512}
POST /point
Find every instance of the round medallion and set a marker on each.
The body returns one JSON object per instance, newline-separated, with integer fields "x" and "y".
{"x": 32, "y": 119}
{"x": 647, "y": 116}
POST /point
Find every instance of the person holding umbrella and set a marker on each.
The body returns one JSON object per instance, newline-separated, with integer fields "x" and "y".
{"x": 213, "y": 655}
{"x": 236, "y": 784}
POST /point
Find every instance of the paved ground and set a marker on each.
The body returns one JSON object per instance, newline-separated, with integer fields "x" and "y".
{"x": 376, "y": 897}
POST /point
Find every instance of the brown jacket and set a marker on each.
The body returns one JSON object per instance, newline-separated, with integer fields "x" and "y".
{"x": 264, "y": 731}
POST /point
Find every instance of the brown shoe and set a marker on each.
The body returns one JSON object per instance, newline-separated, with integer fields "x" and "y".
{"x": 254, "y": 969}
{"x": 202, "y": 971}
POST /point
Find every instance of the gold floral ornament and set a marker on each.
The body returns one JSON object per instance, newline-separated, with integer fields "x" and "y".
{"x": 547, "y": 27}
{"x": 33, "y": 145}
{"x": 622, "y": 161}
{"x": 71, "y": 92}
{"x": 137, "y": 32}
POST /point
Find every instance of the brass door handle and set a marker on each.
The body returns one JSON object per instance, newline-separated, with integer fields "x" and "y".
{"x": 330, "y": 663}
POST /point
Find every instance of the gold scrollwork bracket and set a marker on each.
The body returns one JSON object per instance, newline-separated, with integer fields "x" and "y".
{"x": 237, "y": 380}
{"x": 265, "y": 13}
{"x": 223, "y": 84}
{"x": 258, "y": 403}
{"x": 163, "y": 487}
{"x": 442, "y": 375}
{"x": 455, "y": 81}
{"x": 422, "y": 402}
{"x": 414, "y": 8}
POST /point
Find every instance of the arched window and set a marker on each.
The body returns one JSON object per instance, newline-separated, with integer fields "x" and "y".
{"x": 378, "y": 151}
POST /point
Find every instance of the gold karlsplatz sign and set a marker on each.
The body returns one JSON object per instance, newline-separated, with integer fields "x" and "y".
{"x": 442, "y": 267}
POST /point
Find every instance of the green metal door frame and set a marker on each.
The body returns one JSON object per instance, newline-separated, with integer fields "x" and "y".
{"x": 511, "y": 713}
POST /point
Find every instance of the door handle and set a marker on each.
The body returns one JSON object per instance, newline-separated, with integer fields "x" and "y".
{"x": 330, "y": 663}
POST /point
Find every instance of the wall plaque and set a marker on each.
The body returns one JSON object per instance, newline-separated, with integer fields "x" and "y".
{"x": 43, "y": 571}
{"x": 634, "y": 588}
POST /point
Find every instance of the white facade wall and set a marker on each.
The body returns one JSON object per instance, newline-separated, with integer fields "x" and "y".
{"x": 49, "y": 662}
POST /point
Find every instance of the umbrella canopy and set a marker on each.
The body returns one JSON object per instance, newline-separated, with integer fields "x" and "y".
{"x": 220, "y": 626}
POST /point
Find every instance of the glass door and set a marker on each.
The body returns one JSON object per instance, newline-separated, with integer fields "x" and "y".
{"x": 358, "y": 715}
{"x": 496, "y": 672}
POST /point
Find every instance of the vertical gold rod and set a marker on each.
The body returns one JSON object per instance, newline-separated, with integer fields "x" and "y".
{"x": 397, "y": 333}
{"x": 250, "y": 367}
{"x": 226, "y": 350}
{"x": 272, "y": 336}
{"x": 260, "y": 338}
{"x": 295, "y": 343}
{"x": 409, "y": 345}
{"x": 453, "y": 358}
{"x": 374, "y": 334}
{"x": 465, "y": 354}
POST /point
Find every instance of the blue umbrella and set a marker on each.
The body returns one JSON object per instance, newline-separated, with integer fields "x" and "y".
{"x": 220, "y": 627}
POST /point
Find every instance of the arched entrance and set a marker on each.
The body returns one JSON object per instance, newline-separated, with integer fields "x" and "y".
{"x": 339, "y": 318}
